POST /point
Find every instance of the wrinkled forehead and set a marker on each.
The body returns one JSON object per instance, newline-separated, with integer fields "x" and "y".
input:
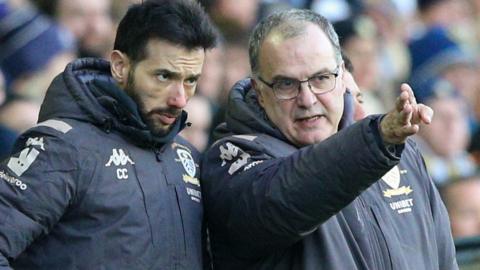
{"x": 174, "y": 57}
{"x": 307, "y": 50}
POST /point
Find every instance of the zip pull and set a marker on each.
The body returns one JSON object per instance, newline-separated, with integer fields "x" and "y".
{"x": 157, "y": 154}
{"x": 107, "y": 125}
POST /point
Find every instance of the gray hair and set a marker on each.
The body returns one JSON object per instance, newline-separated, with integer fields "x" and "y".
{"x": 290, "y": 23}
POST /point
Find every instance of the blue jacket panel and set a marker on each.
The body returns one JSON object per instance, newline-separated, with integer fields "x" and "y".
{"x": 81, "y": 194}
{"x": 346, "y": 203}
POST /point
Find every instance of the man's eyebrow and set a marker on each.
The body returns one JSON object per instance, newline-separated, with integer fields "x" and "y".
{"x": 176, "y": 74}
{"x": 319, "y": 72}
{"x": 166, "y": 71}
{"x": 282, "y": 77}
{"x": 324, "y": 71}
{"x": 194, "y": 76}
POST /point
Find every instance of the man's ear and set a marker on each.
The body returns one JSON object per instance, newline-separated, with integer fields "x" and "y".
{"x": 343, "y": 71}
{"x": 257, "y": 91}
{"x": 120, "y": 67}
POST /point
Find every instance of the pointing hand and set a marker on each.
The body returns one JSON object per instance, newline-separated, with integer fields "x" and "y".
{"x": 405, "y": 119}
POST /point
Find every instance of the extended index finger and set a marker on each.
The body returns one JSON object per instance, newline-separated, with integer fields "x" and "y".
{"x": 402, "y": 100}
{"x": 405, "y": 87}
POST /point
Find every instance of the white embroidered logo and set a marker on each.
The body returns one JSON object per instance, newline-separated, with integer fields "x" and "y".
{"x": 187, "y": 162}
{"x": 36, "y": 142}
{"x": 392, "y": 178}
{"x": 28, "y": 155}
{"x": 119, "y": 158}
{"x": 230, "y": 153}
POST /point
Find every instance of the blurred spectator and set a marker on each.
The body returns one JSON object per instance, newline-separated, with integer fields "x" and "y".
{"x": 7, "y": 136}
{"x": 90, "y": 21}
{"x": 7, "y": 140}
{"x": 406, "y": 8}
{"x": 462, "y": 199}
{"x": 391, "y": 33}
{"x": 474, "y": 148}
{"x": 236, "y": 64}
{"x": 199, "y": 115}
{"x": 437, "y": 54}
{"x": 211, "y": 82}
{"x": 119, "y": 8}
{"x": 19, "y": 114}
{"x": 449, "y": 25}
{"x": 337, "y": 10}
{"x": 445, "y": 13}
{"x": 444, "y": 142}
{"x": 33, "y": 50}
{"x": 3, "y": 91}
{"x": 235, "y": 67}
{"x": 233, "y": 17}
{"x": 291, "y": 3}
{"x": 358, "y": 40}
{"x": 352, "y": 87}
{"x": 268, "y": 7}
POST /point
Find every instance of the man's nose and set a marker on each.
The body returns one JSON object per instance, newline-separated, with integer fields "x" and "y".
{"x": 178, "y": 97}
{"x": 306, "y": 98}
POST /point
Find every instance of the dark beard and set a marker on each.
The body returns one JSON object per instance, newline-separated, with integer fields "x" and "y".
{"x": 146, "y": 116}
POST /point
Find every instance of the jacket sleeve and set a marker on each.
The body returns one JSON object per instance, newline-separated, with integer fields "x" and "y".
{"x": 36, "y": 187}
{"x": 256, "y": 203}
{"x": 443, "y": 234}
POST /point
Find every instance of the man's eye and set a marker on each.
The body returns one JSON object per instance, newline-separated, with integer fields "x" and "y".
{"x": 321, "y": 77}
{"x": 284, "y": 84}
{"x": 359, "y": 98}
{"x": 162, "y": 77}
{"x": 191, "y": 81}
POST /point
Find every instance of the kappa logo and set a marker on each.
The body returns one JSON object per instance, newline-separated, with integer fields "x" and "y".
{"x": 36, "y": 142}
{"x": 27, "y": 156}
{"x": 119, "y": 158}
{"x": 229, "y": 152}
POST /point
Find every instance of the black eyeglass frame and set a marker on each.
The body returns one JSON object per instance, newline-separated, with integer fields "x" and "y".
{"x": 335, "y": 73}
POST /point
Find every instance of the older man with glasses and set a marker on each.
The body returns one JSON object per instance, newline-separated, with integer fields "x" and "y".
{"x": 284, "y": 190}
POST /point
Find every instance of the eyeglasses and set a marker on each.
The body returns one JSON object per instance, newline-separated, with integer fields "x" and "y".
{"x": 290, "y": 88}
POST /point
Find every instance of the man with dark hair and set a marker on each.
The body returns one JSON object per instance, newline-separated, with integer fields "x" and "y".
{"x": 103, "y": 181}
{"x": 284, "y": 190}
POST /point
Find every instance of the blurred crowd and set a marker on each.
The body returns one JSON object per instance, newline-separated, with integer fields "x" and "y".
{"x": 432, "y": 44}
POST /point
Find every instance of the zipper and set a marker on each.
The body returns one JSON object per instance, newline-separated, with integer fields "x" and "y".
{"x": 158, "y": 151}
{"x": 183, "y": 240}
{"x": 374, "y": 237}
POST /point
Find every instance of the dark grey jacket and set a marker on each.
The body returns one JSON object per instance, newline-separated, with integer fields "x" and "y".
{"x": 90, "y": 188}
{"x": 270, "y": 205}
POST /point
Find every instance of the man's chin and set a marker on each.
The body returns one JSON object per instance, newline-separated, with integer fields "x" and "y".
{"x": 160, "y": 131}
{"x": 308, "y": 139}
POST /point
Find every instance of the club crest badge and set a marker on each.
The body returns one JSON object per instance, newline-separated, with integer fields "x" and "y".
{"x": 187, "y": 161}
{"x": 185, "y": 157}
{"x": 392, "y": 179}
